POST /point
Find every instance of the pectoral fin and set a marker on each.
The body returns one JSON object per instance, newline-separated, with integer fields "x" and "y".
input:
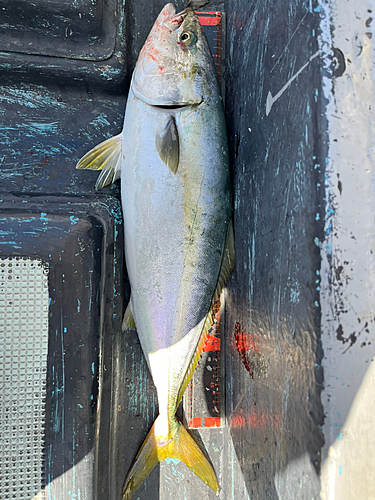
{"x": 167, "y": 145}
{"x": 107, "y": 157}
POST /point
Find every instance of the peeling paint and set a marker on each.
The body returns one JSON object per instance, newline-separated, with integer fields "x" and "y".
{"x": 348, "y": 264}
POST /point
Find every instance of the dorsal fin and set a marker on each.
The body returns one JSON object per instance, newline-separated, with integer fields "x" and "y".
{"x": 105, "y": 156}
{"x": 227, "y": 266}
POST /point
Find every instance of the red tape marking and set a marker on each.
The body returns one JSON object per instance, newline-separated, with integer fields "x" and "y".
{"x": 195, "y": 422}
{"x": 212, "y": 422}
{"x": 209, "y": 21}
{"x": 212, "y": 344}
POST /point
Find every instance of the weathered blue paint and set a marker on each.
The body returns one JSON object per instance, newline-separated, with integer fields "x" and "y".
{"x": 68, "y": 41}
{"x": 73, "y": 220}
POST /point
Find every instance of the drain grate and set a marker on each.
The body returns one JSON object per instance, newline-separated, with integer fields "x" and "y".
{"x": 23, "y": 368}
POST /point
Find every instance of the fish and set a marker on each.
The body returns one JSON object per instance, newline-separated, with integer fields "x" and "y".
{"x": 172, "y": 158}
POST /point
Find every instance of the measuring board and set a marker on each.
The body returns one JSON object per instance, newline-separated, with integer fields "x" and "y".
{"x": 203, "y": 395}
{"x": 213, "y": 25}
{"x": 203, "y": 399}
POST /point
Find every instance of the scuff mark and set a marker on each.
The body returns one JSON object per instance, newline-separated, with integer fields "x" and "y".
{"x": 73, "y": 219}
{"x": 340, "y": 333}
{"x": 271, "y": 100}
{"x": 290, "y": 39}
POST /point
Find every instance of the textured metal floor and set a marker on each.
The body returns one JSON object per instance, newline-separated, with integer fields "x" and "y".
{"x": 24, "y": 303}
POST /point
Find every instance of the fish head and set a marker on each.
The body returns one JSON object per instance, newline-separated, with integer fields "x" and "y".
{"x": 175, "y": 66}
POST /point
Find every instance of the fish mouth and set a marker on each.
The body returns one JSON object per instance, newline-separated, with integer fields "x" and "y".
{"x": 172, "y": 20}
{"x": 171, "y": 106}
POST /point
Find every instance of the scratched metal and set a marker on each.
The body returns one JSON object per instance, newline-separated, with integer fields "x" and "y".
{"x": 70, "y": 40}
{"x": 52, "y": 110}
{"x": 274, "y": 374}
{"x": 46, "y": 128}
{"x": 83, "y": 29}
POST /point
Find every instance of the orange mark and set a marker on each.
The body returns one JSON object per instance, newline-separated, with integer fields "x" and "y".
{"x": 208, "y": 12}
{"x": 212, "y": 344}
{"x": 212, "y": 422}
{"x": 256, "y": 420}
{"x": 209, "y": 21}
{"x": 244, "y": 342}
{"x": 213, "y": 338}
{"x": 195, "y": 422}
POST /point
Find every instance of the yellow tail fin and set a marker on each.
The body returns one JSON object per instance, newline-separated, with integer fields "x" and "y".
{"x": 179, "y": 445}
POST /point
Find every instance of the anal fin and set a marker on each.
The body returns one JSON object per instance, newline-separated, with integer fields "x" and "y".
{"x": 128, "y": 321}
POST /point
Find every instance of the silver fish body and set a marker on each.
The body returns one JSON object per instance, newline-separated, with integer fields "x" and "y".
{"x": 175, "y": 229}
{"x": 175, "y": 186}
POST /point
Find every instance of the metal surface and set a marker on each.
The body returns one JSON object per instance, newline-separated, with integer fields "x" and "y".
{"x": 69, "y": 40}
{"x": 23, "y": 370}
{"x": 77, "y": 240}
{"x": 203, "y": 398}
{"x": 204, "y": 395}
{"x": 82, "y": 29}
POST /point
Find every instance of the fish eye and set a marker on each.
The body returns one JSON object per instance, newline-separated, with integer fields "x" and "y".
{"x": 187, "y": 37}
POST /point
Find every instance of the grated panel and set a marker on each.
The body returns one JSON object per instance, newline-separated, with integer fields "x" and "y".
{"x": 23, "y": 367}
